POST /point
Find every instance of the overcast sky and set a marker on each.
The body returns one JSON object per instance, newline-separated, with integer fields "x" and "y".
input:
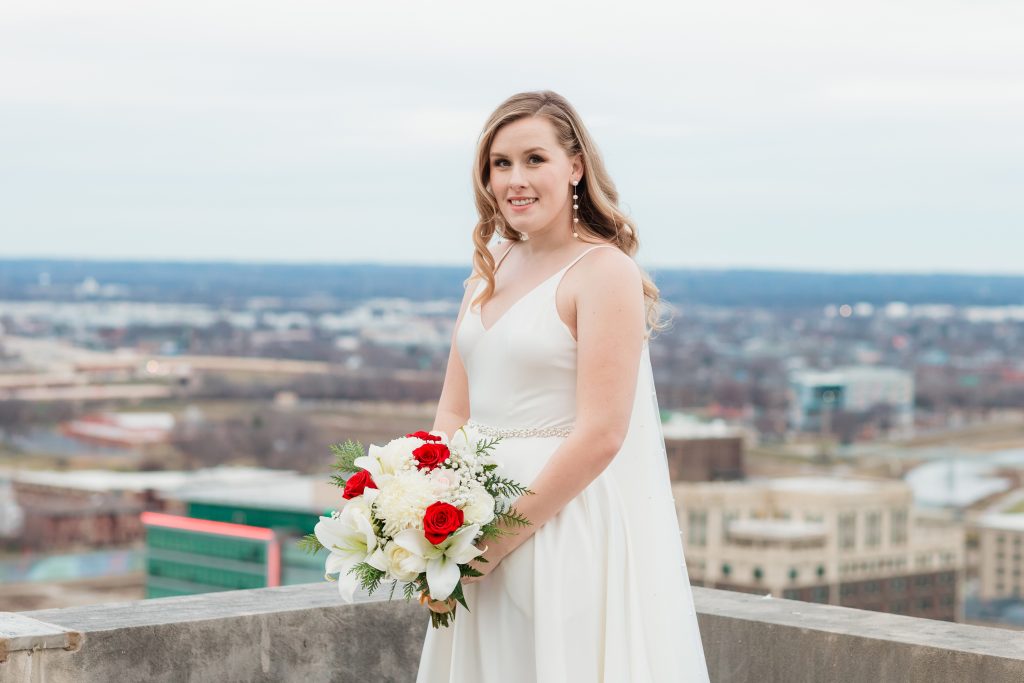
{"x": 879, "y": 135}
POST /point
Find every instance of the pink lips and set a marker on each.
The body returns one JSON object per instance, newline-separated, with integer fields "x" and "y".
{"x": 520, "y": 209}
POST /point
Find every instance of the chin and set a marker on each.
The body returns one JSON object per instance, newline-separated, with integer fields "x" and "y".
{"x": 521, "y": 225}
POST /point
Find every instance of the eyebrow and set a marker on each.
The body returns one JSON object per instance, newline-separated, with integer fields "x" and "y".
{"x": 532, "y": 149}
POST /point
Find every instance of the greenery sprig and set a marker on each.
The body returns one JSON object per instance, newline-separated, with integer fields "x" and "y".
{"x": 345, "y": 457}
{"x": 507, "y": 488}
{"x": 310, "y": 544}
{"x": 368, "y": 575}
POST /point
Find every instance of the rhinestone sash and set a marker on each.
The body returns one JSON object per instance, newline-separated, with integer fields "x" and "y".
{"x": 488, "y": 430}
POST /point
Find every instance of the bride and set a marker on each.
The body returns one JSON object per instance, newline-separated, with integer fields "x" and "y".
{"x": 550, "y": 355}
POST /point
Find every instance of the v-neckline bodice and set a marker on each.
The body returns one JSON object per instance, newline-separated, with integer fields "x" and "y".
{"x": 527, "y": 293}
{"x": 515, "y": 303}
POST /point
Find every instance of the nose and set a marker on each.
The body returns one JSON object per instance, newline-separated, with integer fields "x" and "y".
{"x": 515, "y": 176}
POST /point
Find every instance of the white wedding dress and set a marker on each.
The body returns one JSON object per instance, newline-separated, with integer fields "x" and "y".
{"x": 600, "y": 592}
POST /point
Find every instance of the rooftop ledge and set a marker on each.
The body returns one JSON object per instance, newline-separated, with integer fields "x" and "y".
{"x": 303, "y": 633}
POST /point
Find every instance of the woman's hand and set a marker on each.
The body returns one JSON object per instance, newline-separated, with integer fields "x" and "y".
{"x": 494, "y": 553}
{"x": 439, "y": 606}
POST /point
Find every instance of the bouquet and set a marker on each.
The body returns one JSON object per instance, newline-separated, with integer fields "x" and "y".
{"x": 413, "y": 512}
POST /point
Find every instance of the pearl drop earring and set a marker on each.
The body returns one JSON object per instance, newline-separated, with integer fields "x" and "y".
{"x": 575, "y": 218}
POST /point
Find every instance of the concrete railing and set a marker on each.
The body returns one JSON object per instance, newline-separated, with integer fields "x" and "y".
{"x": 303, "y": 633}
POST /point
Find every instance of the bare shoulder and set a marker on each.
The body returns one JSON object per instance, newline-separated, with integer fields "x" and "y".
{"x": 607, "y": 268}
{"x": 605, "y": 281}
{"x": 604, "y": 304}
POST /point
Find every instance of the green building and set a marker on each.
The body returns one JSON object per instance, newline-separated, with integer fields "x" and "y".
{"x": 228, "y": 541}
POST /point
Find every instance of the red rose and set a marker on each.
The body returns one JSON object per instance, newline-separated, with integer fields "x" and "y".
{"x": 426, "y": 436}
{"x": 440, "y": 520}
{"x": 430, "y": 455}
{"x": 357, "y": 483}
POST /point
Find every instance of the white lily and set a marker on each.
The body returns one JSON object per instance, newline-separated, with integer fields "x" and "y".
{"x": 371, "y": 464}
{"x": 350, "y": 538}
{"x": 442, "y": 560}
{"x": 363, "y": 503}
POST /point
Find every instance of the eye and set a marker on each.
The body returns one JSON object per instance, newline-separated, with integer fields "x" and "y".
{"x": 499, "y": 162}
{"x": 534, "y": 156}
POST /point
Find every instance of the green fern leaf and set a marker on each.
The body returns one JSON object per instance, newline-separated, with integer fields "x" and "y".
{"x": 310, "y": 544}
{"x": 346, "y": 454}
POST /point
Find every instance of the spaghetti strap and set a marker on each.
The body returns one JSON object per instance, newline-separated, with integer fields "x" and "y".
{"x": 596, "y": 246}
{"x": 503, "y": 255}
{"x": 560, "y": 275}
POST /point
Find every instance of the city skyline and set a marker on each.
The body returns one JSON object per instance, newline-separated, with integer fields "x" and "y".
{"x": 789, "y": 137}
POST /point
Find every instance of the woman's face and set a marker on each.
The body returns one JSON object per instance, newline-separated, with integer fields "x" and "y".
{"x": 528, "y": 163}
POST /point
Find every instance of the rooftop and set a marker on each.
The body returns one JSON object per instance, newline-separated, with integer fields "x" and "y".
{"x": 173, "y": 483}
{"x": 683, "y": 426}
{"x": 852, "y": 373}
{"x": 962, "y": 482}
{"x": 1001, "y": 521}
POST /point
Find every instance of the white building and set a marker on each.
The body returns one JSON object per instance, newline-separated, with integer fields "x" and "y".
{"x": 1000, "y": 553}
{"x": 856, "y": 389}
{"x": 853, "y": 542}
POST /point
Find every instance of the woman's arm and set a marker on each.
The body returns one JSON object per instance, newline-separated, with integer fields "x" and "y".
{"x": 610, "y": 325}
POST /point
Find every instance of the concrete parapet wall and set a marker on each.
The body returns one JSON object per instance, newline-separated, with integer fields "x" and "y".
{"x": 752, "y": 639}
{"x": 303, "y": 633}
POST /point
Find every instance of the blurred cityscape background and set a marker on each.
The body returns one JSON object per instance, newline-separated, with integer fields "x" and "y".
{"x": 235, "y": 233}
{"x": 846, "y": 439}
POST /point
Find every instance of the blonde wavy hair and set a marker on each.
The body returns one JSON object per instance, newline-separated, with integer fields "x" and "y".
{"x": 601, "y": 219}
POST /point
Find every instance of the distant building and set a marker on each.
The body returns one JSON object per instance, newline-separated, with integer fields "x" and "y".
{"x": 58, "y": 517}
{"x": 1000, "y": 556}
{"x": 11, "y": 515}
{"x": 100, "y": 508}
{"x": 187, "y": 555}
{"x": 124, "y": 430}
{"x": 817, "y": 397}
{"x": 242, "y": 537}
{"x": 702, "y": 451}
{"x": 966, "y": 481}
{"x": 221, "y": 528}
{"x": 851, "y": 542}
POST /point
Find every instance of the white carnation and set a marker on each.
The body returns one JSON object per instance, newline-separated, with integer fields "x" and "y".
{"x": 402, "y": 500}
{"x": 479, "y": 508}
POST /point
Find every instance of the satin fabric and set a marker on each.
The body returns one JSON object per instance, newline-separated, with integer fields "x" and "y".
{"x": 600, "y": 592}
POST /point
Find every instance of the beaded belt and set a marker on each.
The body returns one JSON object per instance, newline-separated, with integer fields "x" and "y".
{"x": 487, "y": 430}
